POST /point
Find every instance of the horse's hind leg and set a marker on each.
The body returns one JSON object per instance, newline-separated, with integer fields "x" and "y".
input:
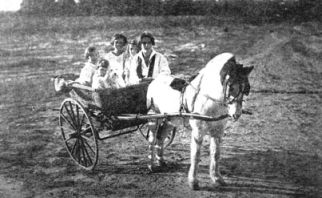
{"x": 214, "y": 161}
{"x": 162, "y": 133}
{"x": 196, "y": 141}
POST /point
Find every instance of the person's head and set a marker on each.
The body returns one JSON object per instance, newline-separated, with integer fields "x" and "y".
{"x": 118, "y": 41}
{"x": 146, "y": 41}
{"x": 133, "y": 47}
{"x": 91, "y": 54}
{"x": 102, "y": 66}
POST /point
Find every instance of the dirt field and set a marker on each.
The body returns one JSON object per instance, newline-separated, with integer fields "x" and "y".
{"x": 276, "y": 152}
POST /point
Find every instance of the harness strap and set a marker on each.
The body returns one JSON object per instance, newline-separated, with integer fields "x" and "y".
{"x": 151, "y": 66}
{"x": 184, "y": 106}
{"x": 139, "y": 68}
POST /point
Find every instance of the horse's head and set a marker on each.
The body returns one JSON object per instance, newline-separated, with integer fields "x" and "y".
{"x": 235, "y": 85}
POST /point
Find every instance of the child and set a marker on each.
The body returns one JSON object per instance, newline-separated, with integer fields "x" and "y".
{"x": 87, "y": 72}
{"x": 117, "y": 56}
{"x": 132, "y": 49}
{"x": 105, "y": 77}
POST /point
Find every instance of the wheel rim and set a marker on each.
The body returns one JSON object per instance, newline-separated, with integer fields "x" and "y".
{"x": 78, "y": 134}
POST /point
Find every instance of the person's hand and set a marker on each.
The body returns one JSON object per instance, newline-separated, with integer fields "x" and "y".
{"x": 70, "y": 82}
{"x": 146, "y": 79}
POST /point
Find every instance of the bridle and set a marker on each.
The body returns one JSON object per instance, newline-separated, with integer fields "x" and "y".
{"x": 238, "y": 97}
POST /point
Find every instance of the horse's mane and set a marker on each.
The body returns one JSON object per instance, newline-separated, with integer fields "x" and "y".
{"x": 223, "y": 64}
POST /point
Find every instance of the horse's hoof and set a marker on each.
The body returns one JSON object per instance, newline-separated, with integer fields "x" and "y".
{"x": 151, "y": 168}
{"x": 220, "y": 182}
{"x": 161, "y": 163}
{"x": 194, "y": 185}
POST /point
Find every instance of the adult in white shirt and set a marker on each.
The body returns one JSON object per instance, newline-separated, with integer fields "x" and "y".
{"x": 148, "y": 63}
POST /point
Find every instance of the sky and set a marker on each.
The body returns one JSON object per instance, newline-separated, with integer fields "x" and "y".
{"x": 10, "y": 5}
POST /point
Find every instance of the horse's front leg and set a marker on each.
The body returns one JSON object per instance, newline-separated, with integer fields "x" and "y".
{"x": 159, "y": 144}
{"x": 196, "y": 141}
{"x": 152, "y": 141}
{"x": 214, "y": 161}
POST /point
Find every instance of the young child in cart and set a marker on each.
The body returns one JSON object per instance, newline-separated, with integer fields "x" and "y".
{"x": 132, "y": 49}
{"x": 87, "y": 72}
{"x": 62, "y": 82}
{"x": 105, "y": 77}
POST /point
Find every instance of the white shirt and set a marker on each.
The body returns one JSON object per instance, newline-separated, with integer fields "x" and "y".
{"x": 127, "y": 68}
{"x": 109, "y": 80}
{"x": 116, "y": 63}
{"x": 161, "y": 66}
{"x": 86, "y": 74}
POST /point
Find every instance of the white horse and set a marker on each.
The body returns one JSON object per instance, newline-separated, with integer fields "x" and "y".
{"x": 218, "y": 89}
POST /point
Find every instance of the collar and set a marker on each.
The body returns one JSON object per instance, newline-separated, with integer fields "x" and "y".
{"x": 151, "y": 55}
{"x": 197, "y": 91}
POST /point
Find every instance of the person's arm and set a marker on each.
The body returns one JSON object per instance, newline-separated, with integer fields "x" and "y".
{"x": 86, "y": 75}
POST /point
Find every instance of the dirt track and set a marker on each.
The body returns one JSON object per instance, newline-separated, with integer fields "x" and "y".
{"x": 276, "y": 152}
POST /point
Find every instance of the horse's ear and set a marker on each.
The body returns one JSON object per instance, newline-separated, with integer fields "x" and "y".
{"x": 247, "y": 70}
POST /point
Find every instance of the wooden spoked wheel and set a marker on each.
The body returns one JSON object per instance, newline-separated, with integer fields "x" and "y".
{"x": 78, "y": 134}
{"x": 168, "y": 140}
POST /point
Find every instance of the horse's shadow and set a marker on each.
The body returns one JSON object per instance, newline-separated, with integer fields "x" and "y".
{"x": 267, "y": 172}
{"x": 270, "y": 172}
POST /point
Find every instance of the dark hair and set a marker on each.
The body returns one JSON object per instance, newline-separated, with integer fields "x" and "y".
{"x": 147, "y": 35}
{"x": 88, "y": 51}
{"x": 103, "y": 63}
{"x": 118, "y": 36}
{"x": 134, "y": 42}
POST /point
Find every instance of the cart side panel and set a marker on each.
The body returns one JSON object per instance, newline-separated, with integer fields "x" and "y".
{"x": 127, "y": 100}
{"x": 84, "y": 97}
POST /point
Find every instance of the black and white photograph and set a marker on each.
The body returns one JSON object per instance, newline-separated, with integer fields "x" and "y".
{"x": 160, "y": 98}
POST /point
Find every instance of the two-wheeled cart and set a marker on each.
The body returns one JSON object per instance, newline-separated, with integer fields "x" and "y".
{"x": 86, "y": 114}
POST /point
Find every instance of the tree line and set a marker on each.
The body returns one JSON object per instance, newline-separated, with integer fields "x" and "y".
{"x": 108, "y": 7}
{"x": 268, "y": 10}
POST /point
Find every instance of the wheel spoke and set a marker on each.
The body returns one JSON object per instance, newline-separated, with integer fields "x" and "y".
{"x": 88, "y": 139}
{"x": 86, "y": 152}
{"x": 67, "y": 140}
{"x": 74, "y": 147}
{"x": 147, "y": 135}
{"x": 68, "y": 129}
{"x": 70, "y": 114}
{"x": 82, "y": 152}
{"x": 86, "y": 130}
{"x": 83, "y": 117}
{"x": 70, "y": 123}
{"x": 77, "y": 153}
{"x": 89, "y": 157}
{"x": 74, "y": 108}
{"x": 89, "y": 146}
{"x": 77, "y": 116}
